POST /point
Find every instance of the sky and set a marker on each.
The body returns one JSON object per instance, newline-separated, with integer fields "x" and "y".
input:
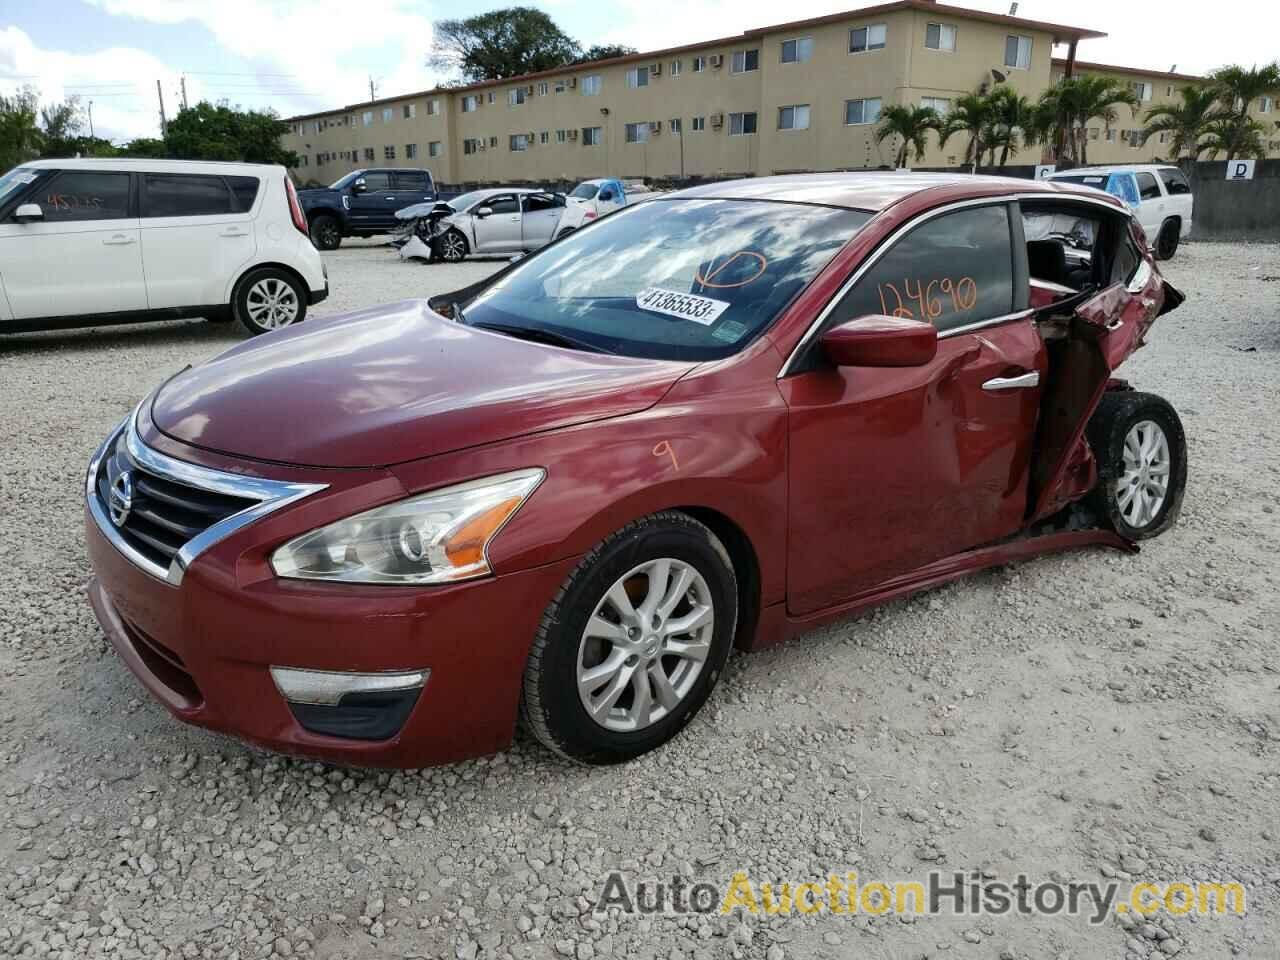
{"x": 301, "y": 56}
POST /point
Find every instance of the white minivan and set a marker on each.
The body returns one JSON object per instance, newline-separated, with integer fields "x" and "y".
{"x": 99, "y": 241}
{"x": 1158, "y": 194}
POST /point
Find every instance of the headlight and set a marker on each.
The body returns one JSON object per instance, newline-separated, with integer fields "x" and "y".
{"x": 436, "y": 537}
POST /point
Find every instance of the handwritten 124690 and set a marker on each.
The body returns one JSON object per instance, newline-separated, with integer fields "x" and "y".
{"x": 959, "y": 294}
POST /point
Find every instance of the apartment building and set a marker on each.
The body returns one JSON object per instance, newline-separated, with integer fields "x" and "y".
{"x": 805, "y": 95}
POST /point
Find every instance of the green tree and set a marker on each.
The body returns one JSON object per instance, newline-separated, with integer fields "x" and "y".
{"x": 20, "y": 136}
{"x": 604, "y": 51}
{"x": 1237, "y": 88}
{"x": 1011, "y": 121}
{"x": 970, "y": 114}
{"x": 222, "y": 132}
{"x": 502, "y": 43}
{"x": 1074, "y": 102}
{"x": 62, "y": 126}
{"x": 1186, "y": 122}
{"x": 1235, "y": 136}
{"x": 912, "y": 124}
{"x": 148, "y": 147}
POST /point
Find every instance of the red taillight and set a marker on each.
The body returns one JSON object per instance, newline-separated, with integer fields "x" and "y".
{"x": 589, "y": 215}
{"x": 295, "y": 208}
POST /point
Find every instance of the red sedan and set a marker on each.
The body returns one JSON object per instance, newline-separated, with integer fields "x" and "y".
{"x": 563, "y": 494}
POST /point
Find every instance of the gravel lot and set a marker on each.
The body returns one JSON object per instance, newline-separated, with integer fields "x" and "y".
{"x": 1068, "y": 718}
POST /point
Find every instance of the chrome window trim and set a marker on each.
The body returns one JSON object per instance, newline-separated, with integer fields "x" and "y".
{"x": 272, "y": 495}
{"x": 910, "y": 225}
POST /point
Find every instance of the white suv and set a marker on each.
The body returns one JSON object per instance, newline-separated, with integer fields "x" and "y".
{"x": 1158, "y": 194}
{"x": 89, "y": 242}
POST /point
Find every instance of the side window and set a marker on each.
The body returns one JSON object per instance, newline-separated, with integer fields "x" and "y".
{"x": 413, "y": 182}
{"x": 85, "y": 195}
{"x": 503, "y": 204}
{"x": 534, "y": 202}
{"x": 953, "y": 270}
{"x": 245, "y": 190}
{"x": 168, "y": 195}
{"x": 377, "y": 181}
{"x": 1127, "y": 258}
{"x": 1148, "y": 189}
{"x": 1174, "y": 181}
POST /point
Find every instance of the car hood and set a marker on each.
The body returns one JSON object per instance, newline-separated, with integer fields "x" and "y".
{"x": 394, "y": 383}
{"x": 314, "y": 193}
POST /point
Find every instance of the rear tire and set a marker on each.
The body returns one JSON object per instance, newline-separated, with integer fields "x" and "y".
{"x": 1141, "y": 452}
{"x": 1167, "y": 241}
{"x": 267, "y": 299}
{"x": 633, "y": 643}
{"x": 326, "y": 232}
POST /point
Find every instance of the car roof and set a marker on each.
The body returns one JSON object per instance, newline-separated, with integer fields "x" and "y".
{"x": 873, "y": 191}
{"x": 135, "y": 164}
{"x": 1113, "y": 168}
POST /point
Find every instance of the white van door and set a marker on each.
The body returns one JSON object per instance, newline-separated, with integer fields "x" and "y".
{"x": 195, "y": 238}
{"x": 82, "y": 256}
{"x": 1151, "y": 208}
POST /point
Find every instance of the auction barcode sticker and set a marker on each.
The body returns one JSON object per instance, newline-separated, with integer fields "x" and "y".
{"x": 686, "y": 306}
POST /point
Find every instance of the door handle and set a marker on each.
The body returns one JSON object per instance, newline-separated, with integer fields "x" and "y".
{"x": 1019, "y": 382}
{"x": 234, "y": 233}
{"x": 388, "y": 198}
{"x": 119, "y": 240}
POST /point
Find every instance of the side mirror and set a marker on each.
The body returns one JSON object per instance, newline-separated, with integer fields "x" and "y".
{"x": 27, "y": 212}
{"x": 483, "y": 212}
{"x": 359, "y": 186}
{"x": 880, "y": 341}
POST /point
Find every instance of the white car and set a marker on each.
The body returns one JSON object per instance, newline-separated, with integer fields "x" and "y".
{"x": 592, "y": 199}
{"x": 496, "y": 221}
{"x": 1159, "y": 195}
{"x": 90, "y": 242}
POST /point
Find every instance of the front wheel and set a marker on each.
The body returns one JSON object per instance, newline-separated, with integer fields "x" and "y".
{"x": 1141, "y": 451}
{"x": 268, "y": 299}
{"x": 634, "y": 642}
{"x": 452, "y": 246}
{"x": 326, "y": 234}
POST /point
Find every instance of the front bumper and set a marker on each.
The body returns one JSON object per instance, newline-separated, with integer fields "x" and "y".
{"x": 205, "y": 646}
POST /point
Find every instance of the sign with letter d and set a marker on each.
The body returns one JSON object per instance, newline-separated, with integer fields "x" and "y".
{"x": 1240, "y": 169}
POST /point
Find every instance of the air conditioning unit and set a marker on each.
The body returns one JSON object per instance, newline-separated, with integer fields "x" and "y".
{"x": 528, "y": 91}
{"x": 717, "y": 120}
{"x": 655, "y": 69}
{"x": 573, "y": 134}
{"x": 480, "y": 146}
{"x": 717, "y": 60}
{"x": 573, "y": 82}
{"x": 655, "y": 127}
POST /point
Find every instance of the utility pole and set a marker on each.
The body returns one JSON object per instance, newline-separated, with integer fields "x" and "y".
{"x": 91, "y": 120}
{"x": 373, "y": 91}
{"x": 163, "y": 122}
{"x": 183, "y": 84}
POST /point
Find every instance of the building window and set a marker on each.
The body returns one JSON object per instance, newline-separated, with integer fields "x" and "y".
{"x": 387, "y": 114}
{"x": 637, "y": 132}
{"x": 940, "y": 36}
{"x": 435, "y": 148}
{"x": 562, "y": 136}
{"x": 591, "y": 85}
{"x": 871, "y": 37}
{"x": 862, "y": 111}
{"x": 698, "y": 124}
{"x": 794, "y": 117}
{"x": 543, "y": 88}
{"x": 410, "y": 111}
{"x": 744, "y": 61}
{"x": 799, "y": 50}
{"x": 638, "y": 77}
{"x": 1141, "y": 90}
{"x": 940, "y": 105}
{"x": 368, "y": 154}
{"x": 493, "y": 98}
{"x": 1111, "y": 136}
{"x": 518, "y": 142}
{"x": 1168, "y": 90}
{"x": 1265, "y": 104}
{"x": 388, "y": 153}
{"x": 676, "y": 67}
{"x": 699, "y": 64}
{"x": 544, "y": 136}
{"x": 1017, "y": 52}
{"x": 675, "y": 125}
{"x": 592, "y": 136}
{"x": 469, "y": 104}
{"x": 367, "y": 118}
{"x": 411, "y": 151}
{"x": 1164, "y": 136}
{"x": 470, "y": 145}
{"x": 1093, "y": 133}
{"x": 433, "y": 107}
{"x": 515, "y": 96}
{"x": 742, "y": 124}
{"x": 561, "y": 86}
{"x": 493, "y": 141}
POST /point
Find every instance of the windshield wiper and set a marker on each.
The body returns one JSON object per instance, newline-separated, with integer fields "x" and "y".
{"x": 537, "y": 335}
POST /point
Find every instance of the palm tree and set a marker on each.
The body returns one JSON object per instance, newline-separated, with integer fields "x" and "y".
{"x": 1236, "y": 136}
{"x": 20, "y": 137}
{"x": 1187, "y": 121}
{"x": 1075, "y": 101}
{"x": 1237, "y": 88}
{"x": 912, "y": 124}
{"x": 1012, "y": 118}
{"x": 969, "y": 114}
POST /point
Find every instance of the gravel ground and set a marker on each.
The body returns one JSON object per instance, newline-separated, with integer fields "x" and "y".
{"x": 1073, "y": 717}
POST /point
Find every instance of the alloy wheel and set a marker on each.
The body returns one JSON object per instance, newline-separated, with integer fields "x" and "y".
{"x": 645, "y": 645}
{"x": 1143, "y": 487}
{"x": 325, "y": 233}
{"x": 452, "y": 247}
{"x": 272, "y": 303}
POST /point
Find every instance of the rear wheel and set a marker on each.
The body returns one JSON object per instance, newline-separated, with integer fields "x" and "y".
{"x": 1167, "y": 241}
{"x": 267, "y": 299}
{"x": 633, "y": 643}
{"x": 1141, "y": 451}
{"x": 326, "y": 233}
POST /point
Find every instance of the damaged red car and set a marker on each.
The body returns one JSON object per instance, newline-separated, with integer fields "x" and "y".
{"x": 564, "y": 494}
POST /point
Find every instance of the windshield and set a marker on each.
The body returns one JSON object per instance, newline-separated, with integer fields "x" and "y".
{"x": 15, "y": 180}
{"x": 671, "y": 279}
{"x": 461, "y": 202}
{"x": 585, "y": 191}
{"x": 345, "y": 181}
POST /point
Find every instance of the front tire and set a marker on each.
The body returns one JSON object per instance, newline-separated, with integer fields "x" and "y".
{"x": 326, "y": 233}
{"x": 268, "y": 299}
{"x": 1141, "y": 451}
{"x": 452, "y": 246}
{"x": 1167, "y": 241}
{"x": 633, "y": 643}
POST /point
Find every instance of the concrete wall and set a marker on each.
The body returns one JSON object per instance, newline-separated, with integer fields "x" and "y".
{"x": 1237, "y": 209}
